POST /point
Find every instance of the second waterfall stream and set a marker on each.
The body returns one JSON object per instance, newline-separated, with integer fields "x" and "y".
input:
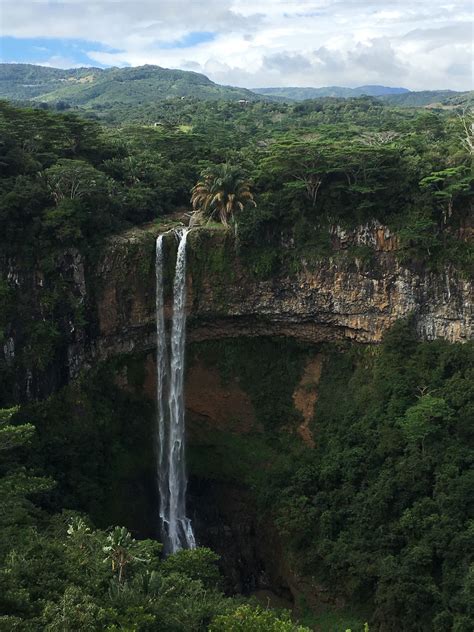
{"x": 177, "y": 531}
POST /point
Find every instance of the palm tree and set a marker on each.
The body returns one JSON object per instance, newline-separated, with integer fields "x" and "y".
{"x": 221, "y": 192}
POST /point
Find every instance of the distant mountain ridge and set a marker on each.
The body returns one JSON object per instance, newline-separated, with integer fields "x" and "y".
{"x": 394, "y": 96}
{"x": 428, "y": 97}
{"x": 300, "y": 94}
{"x": 89, "y": 87}
{"x": 98, "y": 88}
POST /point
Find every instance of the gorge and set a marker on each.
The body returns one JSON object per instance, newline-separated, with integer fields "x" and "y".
{"x": 304, "y": 319}
{"x": 267, "y": 360}
{"x": 317, "y": 341}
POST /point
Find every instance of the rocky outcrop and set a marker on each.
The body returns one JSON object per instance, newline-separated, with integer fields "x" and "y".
{"x": 340, "y": 297}
{"x": 355, "y": 294}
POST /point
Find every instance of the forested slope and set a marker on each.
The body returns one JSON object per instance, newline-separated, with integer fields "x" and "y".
{"x": 93, "y": 87}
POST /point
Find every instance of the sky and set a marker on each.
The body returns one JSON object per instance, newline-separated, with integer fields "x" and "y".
{"x": 416, "y": 44}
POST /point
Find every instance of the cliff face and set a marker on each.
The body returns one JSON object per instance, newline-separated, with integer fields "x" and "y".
{"x": 339, "y": 298}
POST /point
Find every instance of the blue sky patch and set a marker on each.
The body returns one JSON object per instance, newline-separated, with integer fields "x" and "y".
{"x": 37, "y": 50}
{"x": 189, "y": 40}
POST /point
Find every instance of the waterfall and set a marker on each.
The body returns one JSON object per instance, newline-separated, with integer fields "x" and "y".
{"x": 170, "y": 437}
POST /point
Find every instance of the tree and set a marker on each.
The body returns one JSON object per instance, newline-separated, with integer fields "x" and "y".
{"x": 16, "y": 483}
{"x": 73, "y": 179}
{"x": 119, "y": 549}
{"x": 76, "y": 610}
{"x": 248, "y": 619}
{"x": 467, "y": 137}
{"x": 420, "y": 420}
{"x": 222, "y": 191}
{"x": 197, "y": 564}
{"x": 333, "y": 175}
{"x": 447, "y": 185}
{"x": 302, "y": 166}
{"x": 374, "y": 139}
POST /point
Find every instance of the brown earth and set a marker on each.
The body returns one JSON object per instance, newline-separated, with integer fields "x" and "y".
{"x": 305, "y": 397}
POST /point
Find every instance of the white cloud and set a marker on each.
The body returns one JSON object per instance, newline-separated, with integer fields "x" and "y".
{"x": 421, "y": 45}
{"x": 58, "y": 61}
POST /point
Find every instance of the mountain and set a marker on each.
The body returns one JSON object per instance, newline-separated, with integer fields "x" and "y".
{"x": 424, "y": 98}
{"x": 460, "y": 99}
{"x": 92, "y": 87}
{"x": 98, "y": 88}
{"x": 394, "y": 96}
{"x": 300, "y": 94}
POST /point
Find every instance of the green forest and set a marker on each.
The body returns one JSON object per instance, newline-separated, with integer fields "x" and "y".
{"x": 379, "y": 511}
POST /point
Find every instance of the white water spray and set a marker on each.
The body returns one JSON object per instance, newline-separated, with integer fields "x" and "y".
{"x": 176, "y": 527}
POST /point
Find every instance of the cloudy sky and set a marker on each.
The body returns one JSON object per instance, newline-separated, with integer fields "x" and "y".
{"x": 418, "y": 44}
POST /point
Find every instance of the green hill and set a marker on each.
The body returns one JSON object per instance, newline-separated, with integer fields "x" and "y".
{"x": 90, "y": 87}
{"x": 26, "y": 81}
{"x": 420, "y": 99}
{"x": 460, "y": 99}
{"x": 301, "y": 94}
{"x": 120, "y": 89}
{"x": 395, "y": 96}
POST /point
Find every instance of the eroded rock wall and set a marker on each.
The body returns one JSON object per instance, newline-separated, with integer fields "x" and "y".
{"x": 340, "y": 297}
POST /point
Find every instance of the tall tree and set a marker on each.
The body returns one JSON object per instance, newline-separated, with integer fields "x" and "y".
{"x": 221, "y": 192}
{"x": 448, "y": 185}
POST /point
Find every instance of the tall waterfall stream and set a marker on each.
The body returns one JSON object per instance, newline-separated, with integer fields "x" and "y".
{"x": 177, "y": 531}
